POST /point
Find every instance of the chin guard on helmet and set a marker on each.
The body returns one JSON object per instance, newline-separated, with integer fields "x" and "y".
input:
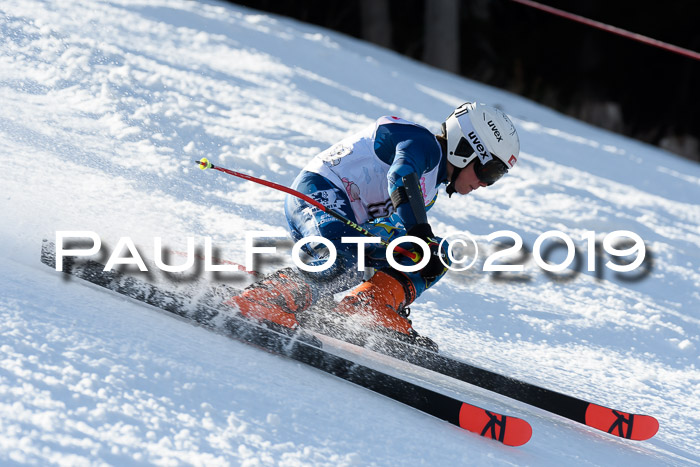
{"x": 450, "y": 188}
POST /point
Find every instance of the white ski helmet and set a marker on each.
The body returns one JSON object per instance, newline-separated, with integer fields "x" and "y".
{"x": 480, "y": 131}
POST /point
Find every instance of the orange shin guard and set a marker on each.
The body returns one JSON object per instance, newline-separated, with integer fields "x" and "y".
{"x": 379, "y": 301}
{"x": 275, "y": 299}
{"x": 255, "y": 305}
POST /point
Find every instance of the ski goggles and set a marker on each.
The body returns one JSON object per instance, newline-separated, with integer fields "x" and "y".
{"x": 491, "y": 171}
{"x": 487, "y": 172}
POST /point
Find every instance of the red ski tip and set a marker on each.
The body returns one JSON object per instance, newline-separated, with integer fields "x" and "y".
{"x": 510, "y": 431}
{"x": 622, "y": 424}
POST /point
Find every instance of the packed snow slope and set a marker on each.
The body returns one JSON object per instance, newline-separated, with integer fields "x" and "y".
{"x": 104, "y": 106}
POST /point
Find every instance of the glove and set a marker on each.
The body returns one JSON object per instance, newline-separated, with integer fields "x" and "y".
{"x": 435, "y": 267}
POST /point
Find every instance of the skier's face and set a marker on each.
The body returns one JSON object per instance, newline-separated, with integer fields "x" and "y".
{"x": 467, "y": 181}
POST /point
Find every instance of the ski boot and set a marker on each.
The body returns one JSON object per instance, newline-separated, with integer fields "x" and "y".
{"x": 381, "y": 304}
{"x": 275, "y": 300}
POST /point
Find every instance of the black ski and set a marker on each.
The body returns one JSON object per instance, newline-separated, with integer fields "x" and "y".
{"x": 616, "y": 422}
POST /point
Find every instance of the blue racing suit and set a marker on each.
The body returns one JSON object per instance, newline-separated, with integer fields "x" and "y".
{"x": 356, "y": 179}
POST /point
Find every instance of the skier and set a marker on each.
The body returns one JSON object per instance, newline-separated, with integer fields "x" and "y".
{"x": 385, "y": 178}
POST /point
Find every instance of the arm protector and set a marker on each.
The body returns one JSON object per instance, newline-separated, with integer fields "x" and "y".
{"x": 408, "y": 201}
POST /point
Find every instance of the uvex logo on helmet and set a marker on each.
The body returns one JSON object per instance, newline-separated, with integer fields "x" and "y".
{"x": 483, "y": 154}
{"x": 496, "y": 133}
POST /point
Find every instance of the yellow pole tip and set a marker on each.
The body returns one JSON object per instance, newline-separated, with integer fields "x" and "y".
{"x": 204, "y": 164}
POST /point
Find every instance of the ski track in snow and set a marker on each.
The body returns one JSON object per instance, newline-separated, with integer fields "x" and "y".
{"x": 104, "y": 108}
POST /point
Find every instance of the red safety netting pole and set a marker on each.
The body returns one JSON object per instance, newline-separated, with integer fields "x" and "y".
{"x": 612, "y": 29}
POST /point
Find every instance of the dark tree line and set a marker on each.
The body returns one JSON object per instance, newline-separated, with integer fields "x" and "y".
{"x": 607, "y": 80}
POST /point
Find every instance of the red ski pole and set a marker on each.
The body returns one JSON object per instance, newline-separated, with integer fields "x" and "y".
{"x": 205, "y": 164}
